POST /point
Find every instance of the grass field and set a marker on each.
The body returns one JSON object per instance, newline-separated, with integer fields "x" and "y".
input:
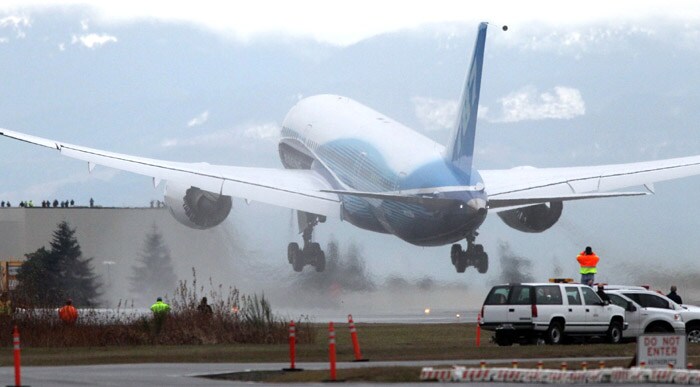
{"x": 378, "y": 342}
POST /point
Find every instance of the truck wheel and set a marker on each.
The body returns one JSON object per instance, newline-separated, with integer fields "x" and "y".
{"x": 554, "y": 333}
{"x": 693, "y": 332}
{"x": 615, "y": 333}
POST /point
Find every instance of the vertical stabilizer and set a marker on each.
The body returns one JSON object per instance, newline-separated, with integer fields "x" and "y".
{"x": 460, "y": 149}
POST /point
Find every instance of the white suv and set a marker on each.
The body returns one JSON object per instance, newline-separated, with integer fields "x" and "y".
{"x": 526, "y": 312}
{"x": 647, "y": 312}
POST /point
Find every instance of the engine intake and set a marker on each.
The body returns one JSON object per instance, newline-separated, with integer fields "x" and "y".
{"x": 197, "y": 208}
{"x": 533, "y": 219}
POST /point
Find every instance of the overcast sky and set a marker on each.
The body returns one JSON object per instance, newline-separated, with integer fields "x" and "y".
{"x": 569, "y": 84}
{"x": 349, "y": 22}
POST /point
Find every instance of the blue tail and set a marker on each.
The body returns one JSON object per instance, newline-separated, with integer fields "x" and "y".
{"x": 460, "y": 149}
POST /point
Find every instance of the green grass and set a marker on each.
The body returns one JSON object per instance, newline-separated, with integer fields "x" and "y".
{"x": 378, "y": 342}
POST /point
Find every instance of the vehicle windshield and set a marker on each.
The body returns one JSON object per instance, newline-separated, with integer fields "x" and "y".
{"x": 647, "y": 300}
{"x": 617, "y": 300}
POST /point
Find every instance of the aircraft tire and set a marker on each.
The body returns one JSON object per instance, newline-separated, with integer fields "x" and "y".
{"x": 292, "y": 250}
{"x": 461, "y": 263}
{"x": 320, "y": 261}
{"x": 298, "y": 260}
{"x": 482, "y": 264}
{"x": 455, "y": 253}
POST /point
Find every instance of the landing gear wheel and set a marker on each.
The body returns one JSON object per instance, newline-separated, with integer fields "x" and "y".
{"x": 292, "y": 251}
{"x": 295, "y": 257}
{"x": 554, "y": 333}
{"x": 319, "y": 257}
{"x": 455, "y": 253}
{"x": 482, "y": 262}
{"x": 461, "y": 263}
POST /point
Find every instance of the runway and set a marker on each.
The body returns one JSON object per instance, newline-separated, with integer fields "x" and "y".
{"x": 432, "y": 316}
{"x": 186, "y": 374}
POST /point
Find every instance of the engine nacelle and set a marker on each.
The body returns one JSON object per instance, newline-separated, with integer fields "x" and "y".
{"x": 197, "y": 208}
{"x": 535, "y": 218}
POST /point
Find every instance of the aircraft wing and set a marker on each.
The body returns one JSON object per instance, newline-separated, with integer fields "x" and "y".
{"x": 290, "y": 188}
{"x": 523, "y": 186}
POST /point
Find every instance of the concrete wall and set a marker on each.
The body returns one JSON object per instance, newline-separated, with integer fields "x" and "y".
{"x": 118, "y": 235}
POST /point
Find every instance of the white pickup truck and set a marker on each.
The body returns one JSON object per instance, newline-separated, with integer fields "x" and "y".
{"x": 526, "y": 312}
{"x": 653, "y": 305}
{"x": 647, "y": 312}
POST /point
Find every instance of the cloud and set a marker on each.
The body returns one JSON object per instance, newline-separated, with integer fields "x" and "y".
{"x": 226, "y": 137}
{"x": 350, "y": 23}
{"x": 577, "y": 39}
{"x": 435, "y": 114}
{"x": 530, "y": 105}
{"x": 93, "y": 40}
{"x": 17, "y": 24}
{"x": 439, "y": 114}
{"x": 262, "y": 132}
{"x": 199, "y": 120}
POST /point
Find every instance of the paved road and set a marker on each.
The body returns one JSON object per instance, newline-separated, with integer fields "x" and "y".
{"x": 185, "y": 374}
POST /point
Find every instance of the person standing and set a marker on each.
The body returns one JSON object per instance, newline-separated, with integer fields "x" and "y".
{"x": 68, "y": 314}
{"x": 160, "y": 308}
{"x": 601, "y": 293}
{"x": 674, "y": 296}
{"x": 589, "y": 262}
{"x": 160, "y": 311}
{"x": 204, "y": 308}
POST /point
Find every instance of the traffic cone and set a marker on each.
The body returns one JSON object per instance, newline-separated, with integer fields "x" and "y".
{"x": 331, "y": 350}
{"x": 292, "y": 348}
{"x": 355, "y": 341}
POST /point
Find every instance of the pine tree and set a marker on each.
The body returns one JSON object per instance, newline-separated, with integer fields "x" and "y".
{"x": 48, "y": 277}
{"x": 77, "y": 280}
{"x": 35, "y": 284}
{"x": 154, "y": 274}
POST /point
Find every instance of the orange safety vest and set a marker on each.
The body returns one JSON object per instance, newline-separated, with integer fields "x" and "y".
{"x": 68, "y": 314}
{"x": 588, "y": 263}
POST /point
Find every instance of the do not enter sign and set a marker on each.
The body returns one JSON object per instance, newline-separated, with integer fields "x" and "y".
{"x": 658, "y": 351}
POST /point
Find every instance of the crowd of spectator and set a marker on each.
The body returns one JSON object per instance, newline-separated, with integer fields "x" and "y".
{"x": 45, "y": 203}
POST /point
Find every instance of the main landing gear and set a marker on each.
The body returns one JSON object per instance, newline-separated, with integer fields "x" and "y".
{"x": 311, "y": 253}
{"x": 473, "y": 256}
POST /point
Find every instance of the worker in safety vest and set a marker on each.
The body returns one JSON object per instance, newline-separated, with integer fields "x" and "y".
{"x": 68, "y": 314}
{"x": 588, "y": 261}
{"x": 160, "y": 308}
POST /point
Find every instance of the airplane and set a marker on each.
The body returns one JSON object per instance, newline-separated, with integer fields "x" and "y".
{"x": 343, "y": 160}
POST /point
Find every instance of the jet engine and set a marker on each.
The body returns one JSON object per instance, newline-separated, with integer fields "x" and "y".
{"x": 197, "y": 208}
{"x": 535, "y": 218}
